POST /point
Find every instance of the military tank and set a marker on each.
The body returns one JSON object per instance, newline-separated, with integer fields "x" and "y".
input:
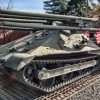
{"x": 51, "y": 58}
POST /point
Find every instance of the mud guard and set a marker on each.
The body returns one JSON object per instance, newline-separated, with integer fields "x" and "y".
{"x": 17, "y": 61}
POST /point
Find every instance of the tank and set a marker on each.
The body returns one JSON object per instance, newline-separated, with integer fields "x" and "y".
{"x": 51, "y": 57}
{"x": 48, "y": 60}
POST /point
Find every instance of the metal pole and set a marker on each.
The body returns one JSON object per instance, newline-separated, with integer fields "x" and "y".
{"x": 43, "y": 16}
{"x": 51, "y": 27}
{"x": 23, "y": 20}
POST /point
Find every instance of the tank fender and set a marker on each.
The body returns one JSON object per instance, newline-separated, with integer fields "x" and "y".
{"x": 17, "y": 61}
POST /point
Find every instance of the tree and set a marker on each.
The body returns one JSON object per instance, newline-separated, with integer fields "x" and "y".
{"x": 78, "y": 7}
{"x": 69, "y": 7}
{"x": 8, "y": 6}
{"x": 96, "y": 10}
{"x": 55, "y": 6}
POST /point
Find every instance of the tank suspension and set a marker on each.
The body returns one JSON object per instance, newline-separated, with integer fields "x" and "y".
{"x": 59, "y": 72}
{"x": 46, "y": 74}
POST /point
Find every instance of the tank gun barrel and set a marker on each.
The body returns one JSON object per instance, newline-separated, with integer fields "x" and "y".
{"x": 41, "y": 15}
{"x": 27, "y": 17}
{"x": 29, "y": 21}
{"x": 52, "y": 27}
{"x": 23, "y": 20}
{"x": 14, "y": 28}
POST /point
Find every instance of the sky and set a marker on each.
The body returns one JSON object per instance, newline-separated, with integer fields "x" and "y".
{"x": 26, "y": 5}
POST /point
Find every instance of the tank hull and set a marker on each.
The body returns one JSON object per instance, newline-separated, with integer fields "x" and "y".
{"x": 48, "y": 63}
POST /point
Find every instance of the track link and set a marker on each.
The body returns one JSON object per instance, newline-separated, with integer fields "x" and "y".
{"x": 75, "y": 87}
{"x": 14, "y": 90}
{"x": 58, "y": 85}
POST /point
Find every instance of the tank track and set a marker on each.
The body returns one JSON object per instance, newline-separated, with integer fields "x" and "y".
{"x": 56, "y": 60}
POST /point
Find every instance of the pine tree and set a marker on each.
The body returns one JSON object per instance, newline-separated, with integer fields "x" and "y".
{"x": 78, "y": 7}
{"x": 55, "y": 6}
{"x": 69, "y": 7}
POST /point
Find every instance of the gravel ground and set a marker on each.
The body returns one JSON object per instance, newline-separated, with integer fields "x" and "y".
{"x": 90, "y": 93}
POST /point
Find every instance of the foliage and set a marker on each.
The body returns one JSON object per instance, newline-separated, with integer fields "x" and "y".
{"x": 69, "y": 7}
{"x": 96, "y": 10}
{"x": 55, "y": 6}
{"x": 77, "y": 7}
